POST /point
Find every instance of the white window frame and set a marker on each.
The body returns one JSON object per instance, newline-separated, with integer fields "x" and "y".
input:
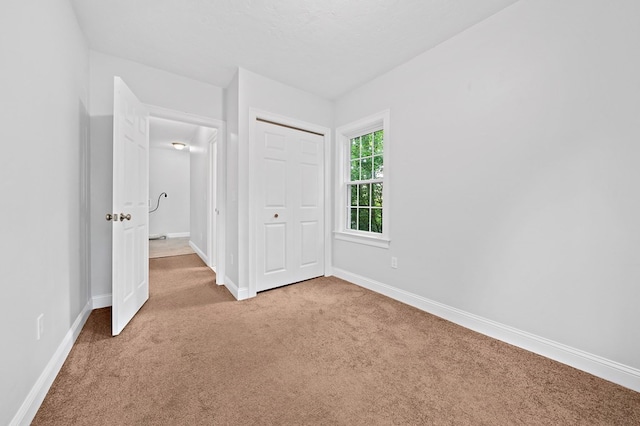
{"x": 344, "y": 134}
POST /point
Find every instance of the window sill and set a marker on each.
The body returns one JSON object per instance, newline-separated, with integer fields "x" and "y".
{"x": 368, "y": 240}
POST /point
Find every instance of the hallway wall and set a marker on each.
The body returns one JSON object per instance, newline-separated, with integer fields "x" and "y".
{"x": 199, "y": 187}
{"x": 169, "y": 171}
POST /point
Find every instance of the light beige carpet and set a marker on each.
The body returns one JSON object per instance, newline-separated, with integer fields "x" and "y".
{"x": 319, "y": 352}
{"x": 166, "y": 247}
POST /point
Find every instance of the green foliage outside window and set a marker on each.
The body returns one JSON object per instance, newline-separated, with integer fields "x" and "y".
{"x": 365, "y": 186}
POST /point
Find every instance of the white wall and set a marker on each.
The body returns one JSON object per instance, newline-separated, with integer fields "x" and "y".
{"x": 170, "y": 172}
{"x": 232, "y": 95}
{"x": 261, "y": 93}
{"x": 515, "y": 174}
{"x": 43, "y": 105}
{"x": 200, "y": 187}
{"x": 154, "y": 87}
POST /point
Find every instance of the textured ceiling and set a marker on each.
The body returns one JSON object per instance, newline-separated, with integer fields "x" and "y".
{"x": 326, "y": 47}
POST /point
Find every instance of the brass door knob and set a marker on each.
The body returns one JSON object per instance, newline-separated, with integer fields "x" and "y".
{"x": 123, "y": 217}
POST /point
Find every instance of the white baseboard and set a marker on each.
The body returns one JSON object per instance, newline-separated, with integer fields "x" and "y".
{"x": 178, "y": 234}
{"x": 199, "y": 252}
{"x": 615, "y": 372}
{"x": 238, "y": 293}
{"x": 101, "y": 301}
{"x": 243, "y": 293}
{"x": 34, "y": 399}
{"x": 219, "y": 278}
{"x": 232, "y": 287}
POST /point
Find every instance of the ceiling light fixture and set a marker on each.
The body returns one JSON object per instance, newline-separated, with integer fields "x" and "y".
{"x": 178, "y": 145}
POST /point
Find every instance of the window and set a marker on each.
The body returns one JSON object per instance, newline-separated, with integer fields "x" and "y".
{"x": 363, "y": 203}
{"x": 365, "y": 182}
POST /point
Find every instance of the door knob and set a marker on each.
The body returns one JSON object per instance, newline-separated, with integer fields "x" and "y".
{"x": 275, "y": 215}
{"x": 123, "y": 217}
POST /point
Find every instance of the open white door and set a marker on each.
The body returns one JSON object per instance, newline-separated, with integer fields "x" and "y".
{"x": 130, "y": 285}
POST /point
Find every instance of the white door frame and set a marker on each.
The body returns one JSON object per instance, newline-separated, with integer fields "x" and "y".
{"x": 255, "y": 114}
{"x": 216, "y": 184}
{"x": 213, "y": 208}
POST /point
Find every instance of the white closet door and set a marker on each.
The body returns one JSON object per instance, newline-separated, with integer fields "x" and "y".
{"x": 290, "y": 213}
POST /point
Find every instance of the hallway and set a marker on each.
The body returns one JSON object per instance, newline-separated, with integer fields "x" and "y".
{"x": 169, "y": 247}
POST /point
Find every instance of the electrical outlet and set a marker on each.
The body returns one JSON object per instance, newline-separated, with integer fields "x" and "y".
{"x": 40, "y": 326}
{"x": 394, "y": 262}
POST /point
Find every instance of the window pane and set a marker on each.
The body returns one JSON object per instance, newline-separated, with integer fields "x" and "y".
{"x": 363, "y": 219}
{"x": 367, "y": 165}
{"x": 365, "y": 195}
{"x": 378, "y": 167}
{"x": 354, "y": 219}
{"x": 378, "y": 142}
{"x": 355, "y": 148}
{"x": 366, "y": 145}
{"x": 355, "y": 170}
{"x": 353, "y": 195}
{"x": 377, "y": 195}
{"x": 376, "y": 220}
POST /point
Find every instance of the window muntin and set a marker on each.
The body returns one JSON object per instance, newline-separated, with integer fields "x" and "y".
{"x": 364, "y": 187}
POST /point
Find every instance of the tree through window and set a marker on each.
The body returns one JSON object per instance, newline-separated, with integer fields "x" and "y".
{"x": 366, "y": 180}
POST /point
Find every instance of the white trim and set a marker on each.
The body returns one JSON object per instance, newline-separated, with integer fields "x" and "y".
{"x": 615, "y": 372}
{"x": 200, "y": 253}
{"x": 175, "y": 115}
{"x": 219, "y": 280}
{"x": 218, "y": 190}
{"x": 238, "y": 293}
{"x": 219, "y": 236}
{"x": 364, "y": 238}
{"x": 380, "y": 120}
{"x": 34, "y": 399}
{"x": 101, "y": 301}
{"x": 232, "y": 287}
{"x": 212, "y": 218}
{"x": 328, "y": 203}
{"x": 178, "y": 234}
{"x": 255, "y": 114}
{"x": 243, "y": 293}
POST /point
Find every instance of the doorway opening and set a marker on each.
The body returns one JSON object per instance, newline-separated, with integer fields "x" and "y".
{"x": 184, "y": 185}
{"x": 178, "y": 187}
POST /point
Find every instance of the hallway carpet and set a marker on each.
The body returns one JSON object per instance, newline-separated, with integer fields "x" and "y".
{"x": 319, "y": 352}
{"x": 167, "y": 247}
